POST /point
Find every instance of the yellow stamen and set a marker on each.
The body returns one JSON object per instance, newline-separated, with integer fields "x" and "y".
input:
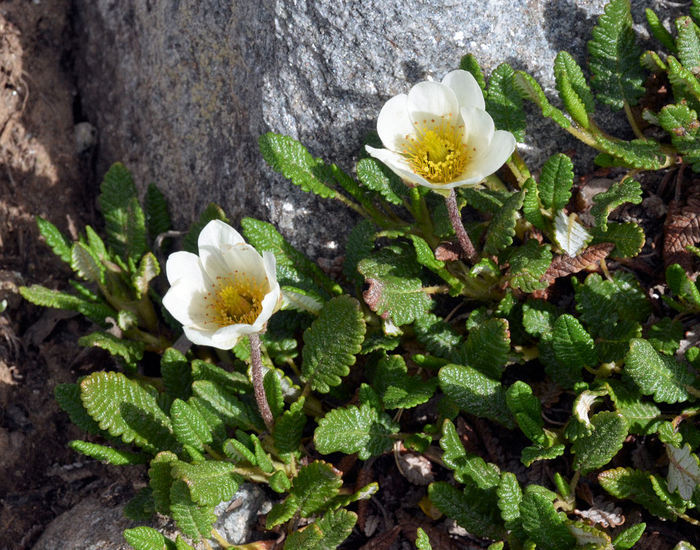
{"x": 438, "y": 153}
{"x": 234, "y": 299}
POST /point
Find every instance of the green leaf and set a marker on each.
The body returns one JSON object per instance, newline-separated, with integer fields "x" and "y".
{"x": 681, "y": 285}
{"x": 539, "y": 317}
{"x": 530, "y": 89}
{"x": 484, "y": 200}
{"x": 488, "y": 346}
{"x": 528, "y": 264}
{"x": 644, "y": 154}
{"x": 147, "y": 270}
{"x": 532, "y": 206}
{"x": 652, "y": 62}
{"x": 193, "y": 520}
{"x": 635, "y": 485}
{"x": 629, "y": 537}
{"x": 177, "y": 374}
{"x": 588, "y": 536}
{"x": 189, "y": 425}
{"x": 643, "y": 417}
{"x": 85, "y": 264}
{"x": 472, "y": 509}
{"x": 395, "y": 291}
{"x": 239, "y": 452}
{"x": 504, "y": 102}
{"x": 211, "y": 212}
{"x": 209, "y": 482}
{"x": 231, "y": 382}
{"x": 509, "y": 497}
{"x": 273, "y": 392}
{"x": 475, "y": 393}
{"x": 293, "y": 267}
{"x": 665, "y": 335}
{"x": 602, "y": 444}
{"x": 467, "y": 467}
{"x": 426, "y": 257}
{"x": 527, "y": 411}
{"x": 542, "y": 522}
{"x": 556, "y": 180}
{"x": 620, "y": 192}
{"x": 501, "y": 230}
{"x": 380, "y": 179}
{"x": 628, "y": 239}
{"x": 60, "y": 245}
{"x": 572, "y": 344}
{"x": 470, "y": 64}
{"x": 327, "y": 533}
{"x": 160, "y": 480}
{"x": 688, "y": 44}
{"x": 533, "y": 453}
{"x": 289, "y": 428}
{"x": 262, "y": 458}
{"x": 125, "y": 223}
{"x": 655, "y": 374}
{"x": 359, "y": 245}
{"x": 682, "y": 125}
{"x": 437, "y": 336}
{"x": 68, "y": 397}
{"x": 147, "y": 538}
{"x": 422, "y": 540}
{"x": 129, "y": 351}
{"x": 126, "y": 410}
{"x": 291, "y": 159}
{"x": 141, "y": 506}
{"x": 659, "y": 31}
{"x": 228, "y": 407}
{"x": 684, "y": 83}
{"x": 397, "y": 389}
{"x": 573, "y": 88}
{"x": 314, "y": 486}
{"x": 157, "y": 212}
{"x": 363, "y": 430}
{"x": 614, "y": 57}
{"x": 331, "y": 343}
{"x": 109, "y": 455}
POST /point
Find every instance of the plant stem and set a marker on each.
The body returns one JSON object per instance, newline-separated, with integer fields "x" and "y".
{"x": 456, "y": 219}
{"x": 633, "y": 121}
{"x": 260, "y": 397}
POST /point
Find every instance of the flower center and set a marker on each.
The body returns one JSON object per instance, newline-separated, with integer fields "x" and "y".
{"x": 234, "y": 299}
{"x": 437, "y": 153}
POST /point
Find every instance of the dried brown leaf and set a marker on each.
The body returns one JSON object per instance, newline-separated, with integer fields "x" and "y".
{"x": 682, "y": 228}
{"x": 415, "y": 468}
{"x": 373, "y": 295}
{"x": 364, "y": 477}
{"x": 607, "y": 515}
{"x": 447, "y": 252}
{"x": 564, "y": 265}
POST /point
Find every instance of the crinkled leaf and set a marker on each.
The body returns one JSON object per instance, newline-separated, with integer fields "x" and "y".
{"x": 160, "y": 480}
{"x": 642, "y": 416}
{"x": 192, "y": 519}
{"x": 437, "y": 336}
{"x": 147, "y": 270}
{"x": 533, "y": 453}
{"x": 572, "y": 344}
{"x": 573, "y": 88}
{"x": 376, "y": 177}
{"x": 528, "y": 264}
{"x": 396, "y": 388}
{"x": 681, "y": 285}
{"x": 229, "y": 408}
{"x": 532, "y": 206}
{"x": 208, "y": 482}
{"x": 635, "y": 485}
{"x": 488, "y": 346}
{"x": 130, "y": 352}
{"x": 86, "y": 264}
{"x": 530, "y": 89}
{"x": 527, "y": 411}
{"x": 125, "y": 223}
{"x": 422, "y": 540}
{"x": 469, "y": 63}
{"x": 644, "y": 154}
{"x": 588, "y": 536}
{"x": 602, "y": 444}
{"x": 684, "y": 83}
{"x": 682, "y": 125}
{"x": 110, "y": 455}
{"x": 147, "y": 538}
{"x": 509, "y": 497}
{"x": 289, "y": 428}
{"x": 470, "y": 509}
{"x": 655, "y": 374}
{"x": 543, "y": 523}
{"x": 467, "y": 467}
{"x": 484, "y": 200}
{"x": 504, "y": 102}
{"x": 68, "y": 397}
{"x": 359, "y": 245}
{"x": 176, "y": 372}
{"x": 614, "y": 57}
{"x": 327, "y": 533}
{"x": 97, "y": 312}
{"x": 331, "y": 343}
{"x": 665, "y": 335}
{"x": 556, "y": 180}
{"x": 189, "y": 426}
{"x": 314, "y": 486}
{"x": 501, "y": 230}
{"x": 157, "y": 212}
{"x": 621, "y": 192}
{"x": 659, "y": 31}
{"x": 426, "y": 257}
{"x": 688, "y": 44}
{"x": 363, "y": 430}
{"x": 475, "y": 393}
{"x": 60, "y": 245}
{"x": 629, "y": 537}
{"x": 125, "y": 409}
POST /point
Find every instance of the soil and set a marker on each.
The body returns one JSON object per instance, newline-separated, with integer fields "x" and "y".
{"x": 41, "y": 173}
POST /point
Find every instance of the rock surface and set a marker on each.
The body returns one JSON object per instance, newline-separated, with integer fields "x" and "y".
{"x": 180, "y": 91}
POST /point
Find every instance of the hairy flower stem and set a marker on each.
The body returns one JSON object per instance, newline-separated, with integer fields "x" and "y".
{"x": 260, "y": 397}
{"x": 456, "y": 219}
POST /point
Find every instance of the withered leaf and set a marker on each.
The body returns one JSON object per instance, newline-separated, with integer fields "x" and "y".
{"x": 682, "y": 228}
{"x": 564, "y": 265}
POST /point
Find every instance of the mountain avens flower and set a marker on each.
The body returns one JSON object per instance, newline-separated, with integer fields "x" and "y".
{"x": 439, "y": 135}
{"x": 227, "y": 291}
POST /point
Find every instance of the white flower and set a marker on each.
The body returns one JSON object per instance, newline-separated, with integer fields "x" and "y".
{"x": 226, "y": 292}
{"x": 440, "y": 136}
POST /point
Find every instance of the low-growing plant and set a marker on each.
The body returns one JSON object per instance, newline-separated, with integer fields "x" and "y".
{"x": 522, "y": 322}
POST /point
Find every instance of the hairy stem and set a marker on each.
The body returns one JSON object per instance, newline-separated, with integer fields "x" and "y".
{"x": 456, "y": 219}
{"x": 260, "y": 397}
{"x": 633, "y": 121}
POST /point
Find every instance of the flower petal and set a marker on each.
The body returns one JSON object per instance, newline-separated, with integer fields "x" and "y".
{"x": 396, "y": 164}
{"x": 185, "y": 301}
{"x": 201, "y": 337}
{"x": 431, "y": 99}
{"x": 243, "y": 258}
{"x": 466, "y": 88}
{"x": 227, "y": 337}
{"x": 184, "y": 264}
{"x": 216, "y": 237}
{"x": 394, "y": 124}
{"x": 478, "y": 128}
{"x": 500, "y": 150}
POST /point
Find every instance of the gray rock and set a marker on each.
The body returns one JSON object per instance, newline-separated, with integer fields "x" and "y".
{"x": 237, "y": 517}
{"x": 180, "y": 90}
